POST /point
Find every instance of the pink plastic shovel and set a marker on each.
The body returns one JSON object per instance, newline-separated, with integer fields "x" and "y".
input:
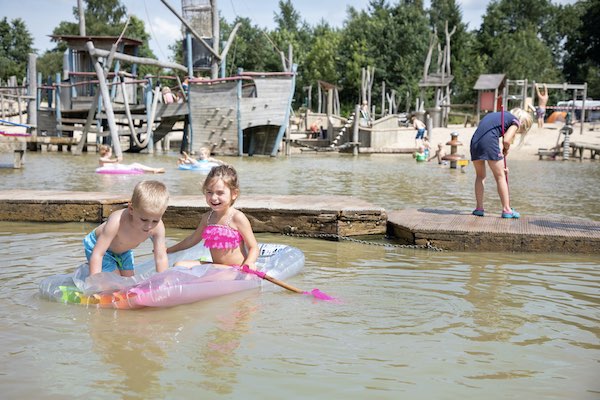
{"x": 316, "y": 293}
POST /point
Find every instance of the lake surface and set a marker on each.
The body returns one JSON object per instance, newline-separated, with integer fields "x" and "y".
{"x": 410, "y": 323}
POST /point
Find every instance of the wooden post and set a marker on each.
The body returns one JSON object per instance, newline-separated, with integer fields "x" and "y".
{"x": 81, "y": 18}
{"x": 355, "y": 130}
{"x": 110, "y": 115}
{"x": 32, "y": 91}
{"x": 214, "y": 68}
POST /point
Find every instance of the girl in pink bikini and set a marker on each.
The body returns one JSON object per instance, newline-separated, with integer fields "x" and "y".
{"x": 225, "y": 230}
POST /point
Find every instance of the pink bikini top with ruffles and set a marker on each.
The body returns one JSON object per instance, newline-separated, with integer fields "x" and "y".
{"x": 221, "y": 236}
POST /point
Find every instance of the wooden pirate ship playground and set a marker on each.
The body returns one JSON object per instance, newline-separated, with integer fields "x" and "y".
{"x": 100, "y": 97}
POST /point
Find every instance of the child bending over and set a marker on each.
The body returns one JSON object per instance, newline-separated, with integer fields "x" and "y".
{"x": 485, "y": 147}
{"x": 108, "y": 248}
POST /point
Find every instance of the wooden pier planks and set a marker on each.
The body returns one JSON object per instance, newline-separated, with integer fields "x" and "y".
{"x": 338, "y": 215}
{"x": 332, "y": 215}
{"x": 455, "y": 230}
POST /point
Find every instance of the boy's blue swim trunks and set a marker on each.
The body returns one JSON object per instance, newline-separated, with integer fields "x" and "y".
{"x": 110, "y": 261}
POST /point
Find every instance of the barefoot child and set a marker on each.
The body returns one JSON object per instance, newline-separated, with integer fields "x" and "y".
{"x": 485, "y": 147}
{"x": 108, "y": 248}
{"x": 225, "y": 230}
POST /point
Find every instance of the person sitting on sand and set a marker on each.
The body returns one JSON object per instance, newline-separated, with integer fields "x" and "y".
{"x": 106, "y": 160}
{"x": 203, "y": 156}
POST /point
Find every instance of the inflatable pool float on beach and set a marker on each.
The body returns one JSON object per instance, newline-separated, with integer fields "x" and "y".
{"x": 172, "y": 287}
{"x": 200, "y": 165}
{"x": 119, "y": 169}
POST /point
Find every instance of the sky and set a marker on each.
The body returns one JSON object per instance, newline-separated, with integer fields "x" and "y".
{"x": 42, "y": 16}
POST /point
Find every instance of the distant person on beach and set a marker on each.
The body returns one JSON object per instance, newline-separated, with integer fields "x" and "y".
{"x": 421, "y": 129}
{"x": 485, "y": 147}
{"x": 106, "y": 160}
{"x": 226, "y": 231}
{"x": 365, "y": 116}
{"x": 540, "y": 110}
{"x": 426, "y": 146}
{"x": 314, "y": 131}
{"x": 439, "y": 153}
{"x": 420, "y": 155}
{"x": 168, "y": 96}
{"x": 109, "y": 247}
{"x": 203, "y": 156}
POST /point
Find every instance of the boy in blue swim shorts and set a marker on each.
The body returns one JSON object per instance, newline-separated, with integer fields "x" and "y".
{"x": 109, "y": 247}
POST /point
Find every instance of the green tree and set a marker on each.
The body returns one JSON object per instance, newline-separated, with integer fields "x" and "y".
{"x": 582, "y": 60}
{"x": 465, "y": 63}
{"x": 509, "y": 40}
{"x": 15, "y": 45}
{"x": 103, "y": 18}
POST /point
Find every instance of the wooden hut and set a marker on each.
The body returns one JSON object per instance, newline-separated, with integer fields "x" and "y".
{"x": 489, "y": 88}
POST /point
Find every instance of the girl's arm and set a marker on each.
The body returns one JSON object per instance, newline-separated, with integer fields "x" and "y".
{"x": 161, "y": 261}
{"x": 107, "y": 160}
{"x": 507, "y": 139}
{"x": 192, "y": 239}
{"x": 243, "y": 226}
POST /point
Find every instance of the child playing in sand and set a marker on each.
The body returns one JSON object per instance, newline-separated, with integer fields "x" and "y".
{"x": 485, "y": 147}
{"x": 226, "y": 231}
{"x": 203, "y": 156}
{"x": 109, "y": 247}
{"x": 107, "y": 160}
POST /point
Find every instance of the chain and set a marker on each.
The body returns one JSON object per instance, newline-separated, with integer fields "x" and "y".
{"x": 330, "y": 236}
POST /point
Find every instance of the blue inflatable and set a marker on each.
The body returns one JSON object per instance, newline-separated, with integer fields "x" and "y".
{"x": 200, "y": 165}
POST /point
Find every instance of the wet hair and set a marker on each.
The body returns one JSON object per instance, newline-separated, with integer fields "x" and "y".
{"x": 525, "y": 120}
{"x": 104, "y": 150}
{"x": 227, "y": 174}
{"x": 204, "y": 153}
{"x": 150, "y": 196}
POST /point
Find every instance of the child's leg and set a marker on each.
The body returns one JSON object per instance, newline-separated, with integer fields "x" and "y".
{"x": 497, "y": 168}
{"x": 479, "y": 182}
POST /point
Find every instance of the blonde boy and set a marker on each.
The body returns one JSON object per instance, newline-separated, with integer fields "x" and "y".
{"x": 108, "y": 248}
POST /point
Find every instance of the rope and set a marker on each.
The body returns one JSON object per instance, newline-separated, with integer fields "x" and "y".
{"x": 330, "y": 236}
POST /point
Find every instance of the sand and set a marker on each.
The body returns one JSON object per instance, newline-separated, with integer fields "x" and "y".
{"x": 535, "y": 139}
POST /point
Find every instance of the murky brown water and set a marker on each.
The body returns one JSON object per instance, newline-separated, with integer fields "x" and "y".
{"x": 412, "y": 323}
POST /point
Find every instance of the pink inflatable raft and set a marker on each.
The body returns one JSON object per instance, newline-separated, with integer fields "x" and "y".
{"x": 173, "y": 287}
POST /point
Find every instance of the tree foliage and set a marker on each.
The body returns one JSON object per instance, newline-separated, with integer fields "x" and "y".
{"x": 15, "y": 46}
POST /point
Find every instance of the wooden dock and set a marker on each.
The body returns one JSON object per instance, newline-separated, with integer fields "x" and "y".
{"x": 330, "y": 216}
{"x": 333, "y": 215}
{"x": 456, "y": 230}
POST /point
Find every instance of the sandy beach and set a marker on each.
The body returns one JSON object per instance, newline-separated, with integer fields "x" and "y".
{"x": 546, "y": 137}
{"x": 535, "y": 139}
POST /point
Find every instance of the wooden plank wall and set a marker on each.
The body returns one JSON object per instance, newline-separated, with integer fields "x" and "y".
{"x": 214, "y": 117}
